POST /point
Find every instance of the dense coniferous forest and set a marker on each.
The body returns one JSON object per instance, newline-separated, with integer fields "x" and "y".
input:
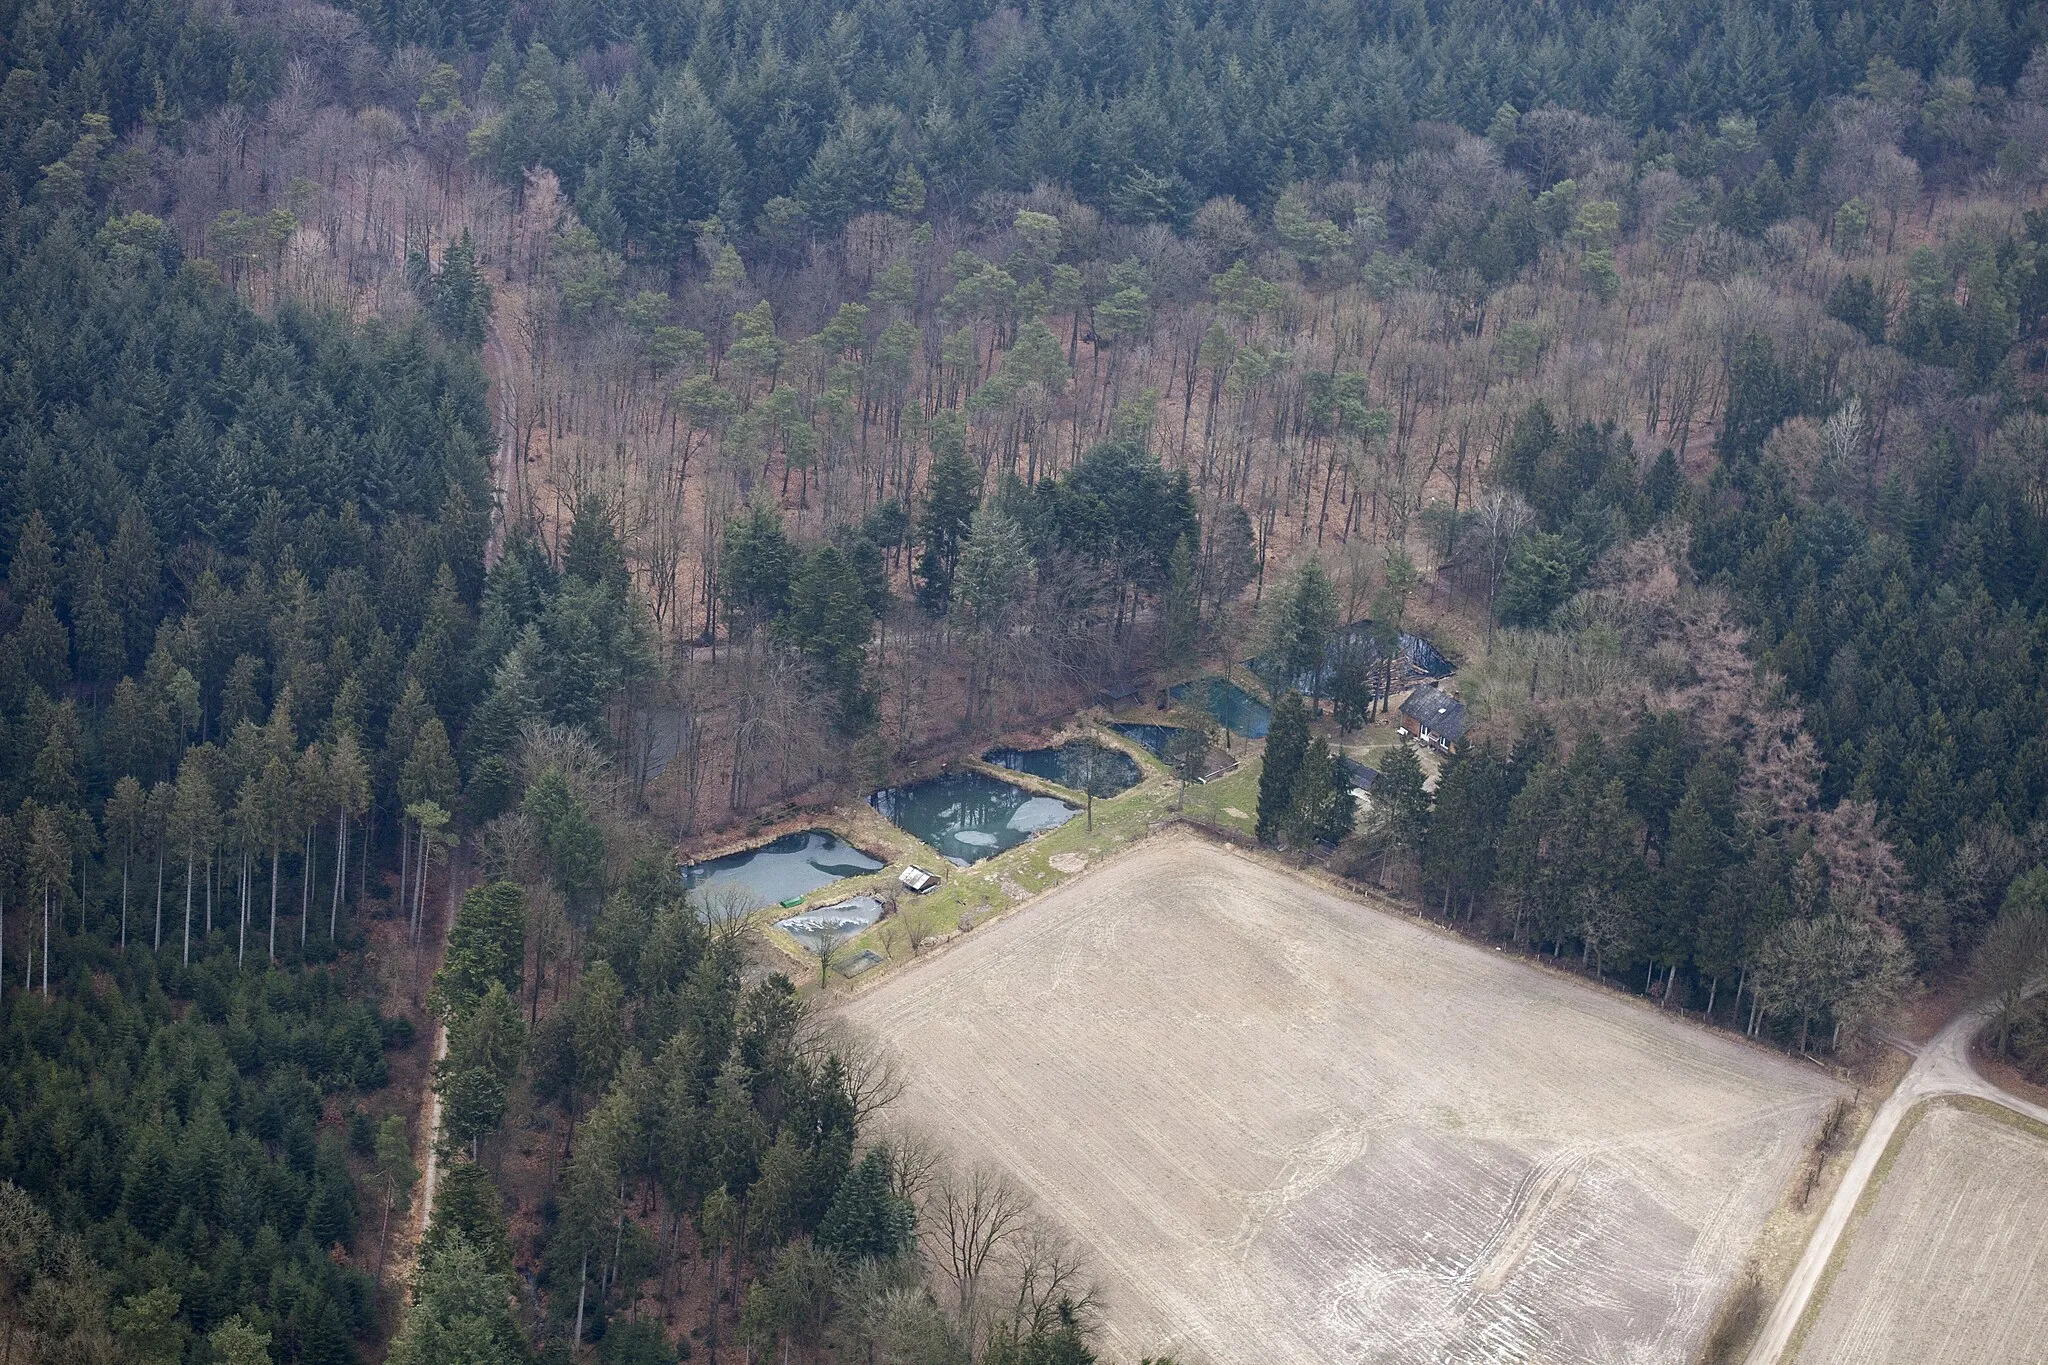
{"x": 449, "y": 452}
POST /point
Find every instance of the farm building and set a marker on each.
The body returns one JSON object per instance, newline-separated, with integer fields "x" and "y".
{"x": 1438, "y": 717}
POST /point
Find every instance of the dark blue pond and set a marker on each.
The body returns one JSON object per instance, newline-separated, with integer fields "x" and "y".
{"x": 794, "y": 865}
{"x": 1077, "y": 764}
{"x": 970, "y": 816}
{"x": 1153, "y": 737}
{"x": 1235, "y": 709}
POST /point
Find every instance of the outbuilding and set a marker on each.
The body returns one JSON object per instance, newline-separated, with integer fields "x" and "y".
{"x": 1117, "y": 696}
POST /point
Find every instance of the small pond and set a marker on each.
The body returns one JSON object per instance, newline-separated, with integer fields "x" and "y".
{"x": 1235, "y": 709}
{"x": 1153, "y": 737}
{"x": 1077, "y": 764}
{"x": 832, "y": 924}
{"x": 970, "y": 816}
{"x": 794, "y": 865}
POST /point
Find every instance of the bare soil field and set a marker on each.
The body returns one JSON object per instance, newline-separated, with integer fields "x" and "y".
{"x": 1288, "y": 1127}
{"x": 1948, "y": 1265}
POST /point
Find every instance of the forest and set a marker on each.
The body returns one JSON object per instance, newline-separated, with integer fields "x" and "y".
{"x": 450, "y": 453}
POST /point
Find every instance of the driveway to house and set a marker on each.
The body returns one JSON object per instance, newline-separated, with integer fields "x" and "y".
{"x": 1941, "y": 1066}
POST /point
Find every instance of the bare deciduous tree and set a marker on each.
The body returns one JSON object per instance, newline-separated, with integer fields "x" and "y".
{"x": 1050, "y": 1273}
{"x": 969, "y": 1220}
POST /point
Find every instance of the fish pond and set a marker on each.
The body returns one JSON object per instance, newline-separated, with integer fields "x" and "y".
{"x": 793, "y": 866}
{"x": 1235, "y": 709}
{"x": 970, "y": 816}
{"x": 1077, "y": 764}
{"x": 1154, "y": 738}
{"x": 829, "y": 925}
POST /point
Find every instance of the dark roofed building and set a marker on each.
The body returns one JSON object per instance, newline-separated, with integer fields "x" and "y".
{"x": 1117, "y": 696}
{"x": 1436, "y": 716}
{"x": 1359, "y": 777}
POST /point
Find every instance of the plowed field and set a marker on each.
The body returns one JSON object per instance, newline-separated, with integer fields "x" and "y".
{"x": 1290, "y": 1128}
{"x": 1949, "y": 1265}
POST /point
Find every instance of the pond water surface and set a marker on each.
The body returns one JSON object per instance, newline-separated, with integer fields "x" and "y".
{"x": 1077, "y": 764}
{"x": 1153, "y": 737}
{"x": 970, "y": 816}
{"x": 1235, "y": 709}
{"x": 794, "y": 865}
{"x": 829, "y": 924}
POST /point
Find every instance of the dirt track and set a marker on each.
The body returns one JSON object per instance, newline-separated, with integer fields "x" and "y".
{"x": 1941, "y": 1067}
{"x": 1949, "y": 1266}
{"x": 1291, "y": 1129}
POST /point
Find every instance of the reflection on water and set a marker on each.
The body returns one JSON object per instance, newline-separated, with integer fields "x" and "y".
{"x": 794, "y": 865}
{"x": 829, "y": 924}
{"x": 1237, "y": 710}
{"x": 1153, "y": 737}
{"x": 1077, "y": 764}
{"x": 970, "y": 816}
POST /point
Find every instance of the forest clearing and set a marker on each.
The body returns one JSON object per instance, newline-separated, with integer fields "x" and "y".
{"x": 1947, "y": 1263}
{"x": 1277, "y": 1128}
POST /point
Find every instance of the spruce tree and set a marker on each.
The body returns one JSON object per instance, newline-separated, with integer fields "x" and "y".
{"x": 1320, "y": 809}
{"x": 951, "y": 495}
{"x": 1398, "y": 793}
{"x": 867, "y": 1219}
{"x": 1183, "y": 604}
{"x": 1286, "y": 744}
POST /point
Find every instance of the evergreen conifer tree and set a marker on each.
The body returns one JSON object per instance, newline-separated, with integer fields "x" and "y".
{"x": 1286, "y": 744}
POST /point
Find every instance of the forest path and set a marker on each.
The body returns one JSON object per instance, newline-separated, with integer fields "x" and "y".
{"x": 460, "y": 877}
{"x": 1941, "y": 1067}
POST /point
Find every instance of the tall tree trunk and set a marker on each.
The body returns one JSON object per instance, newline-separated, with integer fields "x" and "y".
{"x": 340, "y": 868}
{"x": 377, "y": 1280}
{"x": 582, "y": 1288}
{"x": 306, "y": 886}
{"x": 273, "y": 902}
{"x": 188, "y": 905}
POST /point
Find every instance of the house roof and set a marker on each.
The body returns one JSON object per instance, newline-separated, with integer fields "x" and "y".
{"x": 1359, "y": 775}
{"x": 1436, "y": 711}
